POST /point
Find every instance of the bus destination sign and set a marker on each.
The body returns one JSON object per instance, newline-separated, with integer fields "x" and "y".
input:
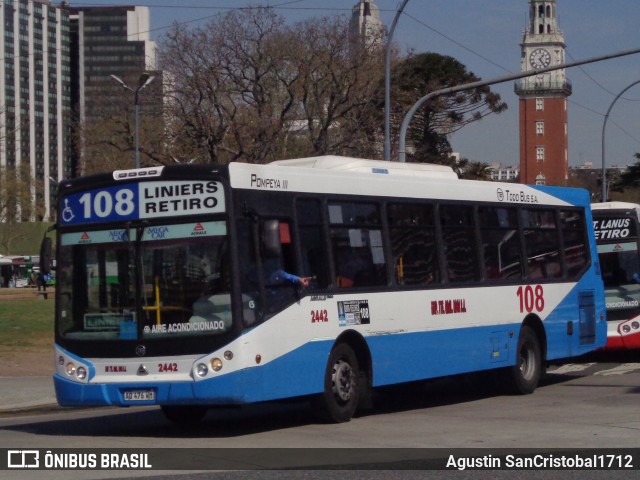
{"x": 142, "y": 200}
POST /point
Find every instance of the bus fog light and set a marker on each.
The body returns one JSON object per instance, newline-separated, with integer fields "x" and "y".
{"x": 635, "y": 325}
{"x": 626, "y": 328}
{"x": 216, "y": 364}
{"x": 228, "y": 355}
{"x": 70, "y": 368}
{"x": 202, "y": 369}
{"x": 81, "y": 373}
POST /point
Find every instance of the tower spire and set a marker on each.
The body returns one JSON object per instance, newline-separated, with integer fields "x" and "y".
{"x": 366, "y": 27}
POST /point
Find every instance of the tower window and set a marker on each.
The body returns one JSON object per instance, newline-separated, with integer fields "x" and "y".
{"x": 539, "y": 128}
{"x": 540, "y": 154}
{"x": 540, "y": 104}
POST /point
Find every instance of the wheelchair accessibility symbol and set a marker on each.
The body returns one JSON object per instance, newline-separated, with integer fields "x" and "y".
{"x": 67, "y": 212}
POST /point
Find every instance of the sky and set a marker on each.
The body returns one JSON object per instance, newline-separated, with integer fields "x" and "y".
{"x": 485, "y": 36}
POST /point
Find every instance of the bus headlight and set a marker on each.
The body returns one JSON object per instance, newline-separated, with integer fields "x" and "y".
{"x": 228, "y": 355}
{"x": 626, "y": 328}
{"x": 81, "y": 373}
{"x": 635, "y": 325}
{"x": 70, "y": 369}
{"x": 216, "y": 364}
{"x": 202, "y": 369}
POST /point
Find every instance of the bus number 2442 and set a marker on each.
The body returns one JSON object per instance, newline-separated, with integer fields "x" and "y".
{"x": 531, "y": 298}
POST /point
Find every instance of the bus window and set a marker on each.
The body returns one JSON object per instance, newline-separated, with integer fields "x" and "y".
{"x": 312, "y": 244}
{"x": 356, "y": 240}
{"x": 412, "y": 233}
{"x": 266, "y": 270}
{"x": 541, "y": 243}
{"x": 500, "y": 243}
{"x": 575, "y": 243}
{"x": 458, "y": 236}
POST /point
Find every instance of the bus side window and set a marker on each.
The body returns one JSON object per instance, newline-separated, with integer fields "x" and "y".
{"x": 458, "y": 235}
{"x": 500, "y": 243}
{"x": 542, "y": 243}
{"x": 312, "y": 242}
{"x": 576, "y": 252}
{"x": 412, "y": 233}
{"x": 356, "y": 240}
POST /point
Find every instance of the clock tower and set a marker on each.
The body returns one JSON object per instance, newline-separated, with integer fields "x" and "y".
{"x": 544, "y": 153}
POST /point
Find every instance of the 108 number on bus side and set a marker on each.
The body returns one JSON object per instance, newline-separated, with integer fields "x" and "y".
{"x": 531, "y": 298}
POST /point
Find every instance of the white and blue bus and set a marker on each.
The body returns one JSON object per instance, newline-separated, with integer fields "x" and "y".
{"x": 617, "y": 230}
{"x": 189, "y": 287}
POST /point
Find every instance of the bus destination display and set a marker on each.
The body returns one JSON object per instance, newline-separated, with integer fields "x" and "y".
{"x": 142, "y": 200}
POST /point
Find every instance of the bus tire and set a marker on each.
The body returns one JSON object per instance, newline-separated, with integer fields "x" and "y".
{"x": 339, "y": 400}
{"x": 184, "y": 414}
{"x": 523, "y": 378}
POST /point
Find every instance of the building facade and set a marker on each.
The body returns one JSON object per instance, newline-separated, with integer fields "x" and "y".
{"x": 35, "y": 100}
{"x": 501, "y": 173}
{"x": 544, "y": 154}
{"x": 108, "y": 41}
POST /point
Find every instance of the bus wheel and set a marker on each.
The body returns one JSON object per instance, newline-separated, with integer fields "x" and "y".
{"x": 339, "y": 400}
{"x": 184, "y": 414}
{"x": 523, "y": 378}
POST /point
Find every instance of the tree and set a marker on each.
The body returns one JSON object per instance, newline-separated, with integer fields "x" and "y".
{"x": 248, "y": 87}
{"x": 19, "y": 195}
{"x": 626, "y": 186}
{"x": 231, "y": 92}
{"x": 473, "y": 170}
{"x": 107, "y": 136}
{"x": 428, "y": 132}
{"x": 338, "y": 84}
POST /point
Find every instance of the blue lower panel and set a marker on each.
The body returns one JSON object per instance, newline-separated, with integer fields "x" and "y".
{"x": 416, "y": 356}
{"x": 396, "y": 358}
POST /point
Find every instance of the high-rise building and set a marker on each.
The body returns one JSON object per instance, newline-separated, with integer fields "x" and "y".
{"x": 544, "y": 154}
{"x": 108, "y": 41}
{"x": 366, "y": 27}
{"x": 35, "y": 97}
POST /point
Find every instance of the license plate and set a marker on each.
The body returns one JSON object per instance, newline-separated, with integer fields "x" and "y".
{"x": 139, "y": 395}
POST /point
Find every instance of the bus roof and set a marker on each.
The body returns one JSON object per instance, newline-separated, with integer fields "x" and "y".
{"x": 614, "y": 206}
{"x": 335, "y": 162}
{"x": 355, "y": 176}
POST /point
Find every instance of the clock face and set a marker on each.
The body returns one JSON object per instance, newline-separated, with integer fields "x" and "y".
{"x": 540, "y": 58}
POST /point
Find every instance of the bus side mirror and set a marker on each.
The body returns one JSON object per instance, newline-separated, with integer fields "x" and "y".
{"x": 271, "y": 238}
{"x": 45, "y": 255}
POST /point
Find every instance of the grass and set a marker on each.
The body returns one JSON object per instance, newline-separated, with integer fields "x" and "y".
{"x": 25, "y": 323}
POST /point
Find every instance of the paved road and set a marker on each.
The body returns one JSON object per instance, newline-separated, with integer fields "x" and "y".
{"x": 24, "y": 393}
{"x": 592, "y": 404}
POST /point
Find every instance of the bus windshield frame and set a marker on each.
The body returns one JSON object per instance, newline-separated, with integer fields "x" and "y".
{"x": 145, "y": 263}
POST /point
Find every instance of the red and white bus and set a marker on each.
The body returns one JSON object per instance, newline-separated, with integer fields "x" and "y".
{"x": 617, "y": 235}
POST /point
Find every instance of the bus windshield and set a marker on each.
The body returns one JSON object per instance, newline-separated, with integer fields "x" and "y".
{"x": 144, "y": 283}
{"x": 620, "y": 264}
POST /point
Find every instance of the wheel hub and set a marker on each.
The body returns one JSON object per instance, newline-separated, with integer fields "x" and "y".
{"x": 343, "y": 380}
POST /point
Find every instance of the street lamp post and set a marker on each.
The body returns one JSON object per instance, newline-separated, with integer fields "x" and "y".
{"x": 604, "y": 126}
{"x": 144, "y": 80}
{"x": 387, "y": 85}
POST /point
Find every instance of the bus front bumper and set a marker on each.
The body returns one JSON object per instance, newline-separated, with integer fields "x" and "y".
{"x": 74, "y": 394}
{"x": 627, "y": 336}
